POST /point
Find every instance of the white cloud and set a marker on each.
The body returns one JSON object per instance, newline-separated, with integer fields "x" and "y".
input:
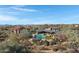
{"x": 24, "y": 9}
{"x": 7, "y": 18}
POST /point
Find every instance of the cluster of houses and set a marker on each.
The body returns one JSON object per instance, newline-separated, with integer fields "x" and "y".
{"x": 49, "y": 33}
{"x": 42, "y": 29}
{"x": 41, "y": 32}
{"x": 54, "y": 27}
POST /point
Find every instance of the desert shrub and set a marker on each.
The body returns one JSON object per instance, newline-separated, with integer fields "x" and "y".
{"x": 54, "y": 42}
{"x": 3, "y": 35}
{"x": 13, "y": 38}
{"x": 13, "y": 46}
{"x": 61, "y": 37}
{"x": 73, "y": 38}
{"x": 24, "y": 37}
{"x": 16, "y": 48}
{"x": 19, "y": 39}
{"x": 25, "y": 34}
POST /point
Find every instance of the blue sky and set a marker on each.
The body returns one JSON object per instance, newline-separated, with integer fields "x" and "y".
{"x": 39, "y": 14}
